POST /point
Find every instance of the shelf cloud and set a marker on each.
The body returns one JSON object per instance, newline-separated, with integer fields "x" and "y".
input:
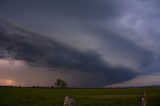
{"x": 92, "y": 43}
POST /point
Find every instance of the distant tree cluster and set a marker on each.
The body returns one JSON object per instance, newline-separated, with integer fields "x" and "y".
{"x": 58, "y": 84}
{"x": 61, "y": 83}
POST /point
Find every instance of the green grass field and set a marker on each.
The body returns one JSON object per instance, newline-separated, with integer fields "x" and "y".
{"x": 83, "y": 97}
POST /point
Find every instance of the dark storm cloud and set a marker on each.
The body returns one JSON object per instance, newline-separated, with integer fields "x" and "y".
{"x": 73, "y": 9}
{"x": 39, "y": 51}
{"x": 86, "y": 9}
{"x": 107, "y": 26}
{"x": 122, "y": 47}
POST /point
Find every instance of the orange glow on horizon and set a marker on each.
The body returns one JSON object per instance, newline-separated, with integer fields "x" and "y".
{"x": 7, "y": 82}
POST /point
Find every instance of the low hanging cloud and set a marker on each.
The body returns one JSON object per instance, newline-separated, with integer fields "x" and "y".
{"x": 41, "y": 52}
{"x": 89, "y": 24}
{"x": 88, "y": 40}
{"x": 139, "y": 81}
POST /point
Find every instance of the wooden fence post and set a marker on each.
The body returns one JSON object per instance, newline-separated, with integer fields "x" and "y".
{"x": 144, "y": 99}
{"x": 69, "y": 101}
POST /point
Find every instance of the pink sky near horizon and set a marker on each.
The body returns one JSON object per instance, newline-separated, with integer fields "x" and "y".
{"x": 17, "y": 73}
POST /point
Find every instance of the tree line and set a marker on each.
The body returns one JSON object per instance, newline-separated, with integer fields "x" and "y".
{"x": 58, "y": 84}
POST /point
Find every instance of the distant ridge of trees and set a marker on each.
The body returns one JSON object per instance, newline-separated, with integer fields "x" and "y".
{"x": 63, "y": 84}
{"x": 58, "y": 84}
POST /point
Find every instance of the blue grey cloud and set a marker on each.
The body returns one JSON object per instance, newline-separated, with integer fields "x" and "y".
{"x": 39, "y": 51}
{"x": 84, "y": 9}
{"x": 88, "y": 35}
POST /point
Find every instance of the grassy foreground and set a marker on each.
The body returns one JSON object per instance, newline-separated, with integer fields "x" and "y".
{"x": 83, "y": 97}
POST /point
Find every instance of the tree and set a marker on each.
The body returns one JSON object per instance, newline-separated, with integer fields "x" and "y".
{"x": 60, "y": 83}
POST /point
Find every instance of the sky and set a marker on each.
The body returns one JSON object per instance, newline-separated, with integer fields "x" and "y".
{"x": 87, "y": 43}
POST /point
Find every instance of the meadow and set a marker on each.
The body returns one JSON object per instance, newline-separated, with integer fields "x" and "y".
{"x": 83, "y": 97}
